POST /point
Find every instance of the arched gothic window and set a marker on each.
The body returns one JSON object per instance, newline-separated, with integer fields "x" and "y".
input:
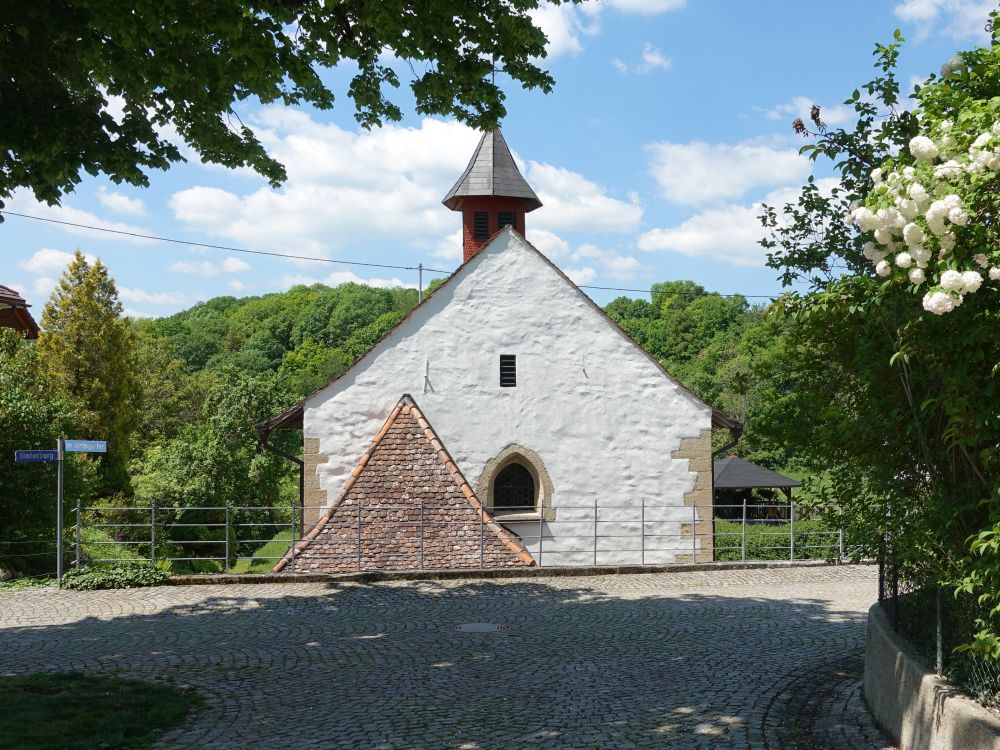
{"x": 514, "y": 490}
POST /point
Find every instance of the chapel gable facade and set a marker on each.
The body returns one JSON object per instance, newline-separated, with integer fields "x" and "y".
{"x": 553, "y": 431}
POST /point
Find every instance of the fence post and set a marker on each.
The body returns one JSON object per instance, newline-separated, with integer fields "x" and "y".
{"x": 60, "y": 487}
{"x": 743, "y": 534}
{"x": 541, "y": 532}
{"x": 841, "y": 558}
{"x": 421, "y": 536}
{"x": 77, "y": 533}
{"x": 359, "y": 533}
{"x": 295, "y": 530}
{"x": 152, "y": 532}
{"x": 225, "y": 566}
{"x": 694, "y": 532}
{"x": 642, "y": 530}
{"x": 595, "y": 531}
{"x": 938, "y": 635}
{"x": 482, "y": 529}
{"x": 791, "y": 530}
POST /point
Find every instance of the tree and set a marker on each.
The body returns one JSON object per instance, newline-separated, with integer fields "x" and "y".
{"x": 87, "y": 350}
{"x": 897, "y": 353}
{"x": 32, "y": 416}
{"x": 89, "y": 86}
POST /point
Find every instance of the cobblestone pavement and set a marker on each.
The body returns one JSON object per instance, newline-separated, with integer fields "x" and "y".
{"x": 716, "y": 659}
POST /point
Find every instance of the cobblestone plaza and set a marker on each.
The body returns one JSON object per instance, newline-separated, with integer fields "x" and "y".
{"x": 713, "y": 659}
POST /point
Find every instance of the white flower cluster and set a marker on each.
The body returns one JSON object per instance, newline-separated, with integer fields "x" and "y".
{"x": 915, "y": 211}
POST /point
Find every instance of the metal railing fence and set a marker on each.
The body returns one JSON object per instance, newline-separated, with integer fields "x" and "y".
{"x": 936, "y": 621}
{"x": 384, "y": 535}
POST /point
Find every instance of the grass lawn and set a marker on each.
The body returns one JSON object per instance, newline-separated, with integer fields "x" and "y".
{"x": 260, "y": 562}
{"x": 73, "y": 711}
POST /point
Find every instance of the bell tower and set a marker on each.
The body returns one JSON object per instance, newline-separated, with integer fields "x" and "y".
{"x": 491, "y": 194}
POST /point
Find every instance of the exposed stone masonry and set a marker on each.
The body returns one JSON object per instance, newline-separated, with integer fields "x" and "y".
{"x": 698, "y": 452}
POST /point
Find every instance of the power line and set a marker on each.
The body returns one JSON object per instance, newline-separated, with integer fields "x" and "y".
{"x": 653, "y": 291}
{"x": 269, "y": 253}
{"x": 210, "y": 246}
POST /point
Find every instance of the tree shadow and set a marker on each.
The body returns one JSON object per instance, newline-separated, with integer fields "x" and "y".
{"x": 382, "y": 665}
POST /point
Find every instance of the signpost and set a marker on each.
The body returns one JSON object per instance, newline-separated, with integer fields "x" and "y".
{"x": 35, "y": 457}
{"x": 86, "y": 446}
{"x": 58, "y": 455}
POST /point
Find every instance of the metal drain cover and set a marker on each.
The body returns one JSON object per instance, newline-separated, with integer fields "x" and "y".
{"x": 481, "y": 627}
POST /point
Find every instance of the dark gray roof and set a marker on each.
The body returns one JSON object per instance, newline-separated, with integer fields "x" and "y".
{"x": 734, "y": 473}
{"x": 492, "y": 171}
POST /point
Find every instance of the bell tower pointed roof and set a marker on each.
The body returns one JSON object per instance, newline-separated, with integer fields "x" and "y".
{"x": 492, "y": 172}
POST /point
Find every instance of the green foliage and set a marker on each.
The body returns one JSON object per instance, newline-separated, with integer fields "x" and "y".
{"x": 87, "y": 351}
{"x": 32, "y": 416}
{"x": 71, "y": 65}
{"x": 897, "y": 409}
{"x": 26, "y": 584}
{"x": 814, "y": 540}
{"x": 113, "y": 576}
{"x": 73, "y": 711}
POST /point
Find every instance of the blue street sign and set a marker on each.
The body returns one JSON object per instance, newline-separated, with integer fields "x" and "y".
{"x": 86, "y": 446}
{"x": 34, "y": 457}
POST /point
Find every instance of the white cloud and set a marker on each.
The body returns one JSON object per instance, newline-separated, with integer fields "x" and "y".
{"x": 128, "y": 294}
{"x": 646, "y": 7}
{"x": 346, "y": 277}
{"x": 44, "y": 285}
{"x": 696, "y": 173}
{"x": 130, "y": 313}
{"x": 800, "y": 106}
{"x": 207, "y": 268}
{"x": 202, "y": 268}
{"x": 652, "y": 59}
{"x": 23, "y": 202}
{"x": 564, "y": 25}
{"x": 957, "y": 19}
{"x": 48, "y": 260}
{"x": 550, "y": 244}
{"x": 581, "y": 276}
{"x": 614, "y": 265}
{"x": 120, "y": 203}
{"x": 343, "y": 187}
{"x": 234, "y": 265}
{"x": 237, "y": 285}
{"x": 351, "y": 189}
{"x": 571, "y": 201}
{"x": 730, "y": 232}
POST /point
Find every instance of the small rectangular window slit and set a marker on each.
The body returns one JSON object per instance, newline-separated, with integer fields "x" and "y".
{"x": 481, "y": 225}
{"x": 508, "y": 370}
{"x": 505, "y": 218}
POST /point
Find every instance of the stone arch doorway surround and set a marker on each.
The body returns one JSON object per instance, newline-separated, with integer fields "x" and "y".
{"x": 544, "y": 490}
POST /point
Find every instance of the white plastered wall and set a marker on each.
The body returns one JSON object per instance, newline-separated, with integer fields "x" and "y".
{"x": 598, "y": 412}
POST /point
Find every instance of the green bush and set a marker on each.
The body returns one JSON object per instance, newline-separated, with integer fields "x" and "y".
{"x": 114, "y": 576}
{"x": 813, "y": 540}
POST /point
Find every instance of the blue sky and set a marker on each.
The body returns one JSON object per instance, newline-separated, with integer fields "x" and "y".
{"x": 669, "y": 123}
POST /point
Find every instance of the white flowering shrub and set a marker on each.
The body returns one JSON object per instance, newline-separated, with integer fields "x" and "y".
{"x": 896, "y": 404}
{"x": 918, "y": 214}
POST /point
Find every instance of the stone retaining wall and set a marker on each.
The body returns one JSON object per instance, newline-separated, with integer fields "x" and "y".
{"x": 920, "y": 710}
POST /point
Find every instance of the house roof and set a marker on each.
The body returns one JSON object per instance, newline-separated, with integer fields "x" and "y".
{"x": 492, "y": 171}
{"x": 14, "y": 313}
{"x": 406, "y": 423}
{"x": 736, "y": 473}
{"x": 291, "y": 418}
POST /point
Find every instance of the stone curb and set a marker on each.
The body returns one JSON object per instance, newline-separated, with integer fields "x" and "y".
{"x": 914, "y": 706}
{"x": 477, "y": 574}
